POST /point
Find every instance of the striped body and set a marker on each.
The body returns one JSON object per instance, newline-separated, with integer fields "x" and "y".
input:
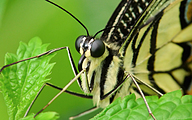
{"x": 147, "y": 42}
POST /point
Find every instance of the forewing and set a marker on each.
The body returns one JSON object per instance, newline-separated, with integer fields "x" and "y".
{"x": 158, "y": 53}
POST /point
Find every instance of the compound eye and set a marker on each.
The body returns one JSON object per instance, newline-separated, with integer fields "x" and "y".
{"x": 78, "y": 41}
{"x": 97, "y": 48}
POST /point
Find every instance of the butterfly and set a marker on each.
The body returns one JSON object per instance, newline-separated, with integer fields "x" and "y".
{"x": 133, "y": 46}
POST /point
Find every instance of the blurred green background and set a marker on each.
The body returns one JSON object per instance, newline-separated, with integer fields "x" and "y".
{"x": 21, "y": 20}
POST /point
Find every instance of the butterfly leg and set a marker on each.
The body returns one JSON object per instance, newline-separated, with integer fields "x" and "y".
{"x": 58, "y": 88}
{"x": 43, "y": 54}
{"x": 142, "y": 95}
{"x": 115, "y": 89}
{"x": 64, "y": 89}
{"x": 47, "y": 53}
{"x": 84, "y": 113}
{"x": 70, "y": 92}
{"x": 40, "y": 55}
{"x": 147, "y": 85}
{"x": 26, "y": 113}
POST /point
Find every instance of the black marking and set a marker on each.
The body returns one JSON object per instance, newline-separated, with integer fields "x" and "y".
{"x": 81, "y": 62}
{"x": 129, "y": 18}
{"x": 115, "y": 89}
{"x": 186, "y": 51}
{"x": 112, "y": 97}
{"x": 120, "y": 81}
{"x": 113, "y": 18}
{"x": 104, "y": 71}
{"x": 134, "y": 35}
{"x": 92, "y": 81}
{"x": 185, "y": 55}
{"x": 127, "y": 44}
{"x": 120, "y": 75}
{"x": 88, "y": 66}
{"x": 183, "y": 22}
{"x": 75, "y": 69}
{"x": 187, "y": 83}
{"x": 153, "y": 51}
{"x": 136, "y": 49}
{"x": 172, "y": 76}
{"x": 70, "y": 92}
{"x": 137, "y": 91}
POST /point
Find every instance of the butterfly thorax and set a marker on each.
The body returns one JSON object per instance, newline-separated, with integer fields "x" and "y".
{"x": 103, "y": 74}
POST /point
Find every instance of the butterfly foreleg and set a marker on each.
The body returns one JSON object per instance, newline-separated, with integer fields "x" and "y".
{"x": 48, "y": 84}
{"x": 64, "y": 89}
{"x": 26, "y": 113}
{"x": 69, "y": 92}
{"x": 38, "y": 56}
{"x": 84, "y": 113}
{"x": 121, "y": 83}
{"x": 147, "y": 85}
{"x": 142, "y": 95}
{"x": 58, "y": 88}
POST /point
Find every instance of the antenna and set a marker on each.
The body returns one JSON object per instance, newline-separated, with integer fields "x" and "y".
{"x": 103, "y": 30}
{"x": 70, "y": 15}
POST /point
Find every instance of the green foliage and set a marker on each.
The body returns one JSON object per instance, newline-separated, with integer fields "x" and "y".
{"x": 21, "y": 82}
{"x": 171, "y": 106}
{"x": 23, "y": 19}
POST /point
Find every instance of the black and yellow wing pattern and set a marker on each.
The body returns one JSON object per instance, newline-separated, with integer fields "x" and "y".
{"x": 143, "y": 39}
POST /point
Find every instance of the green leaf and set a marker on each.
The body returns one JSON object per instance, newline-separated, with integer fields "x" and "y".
{"x": 21, "y": 82}
{"x": 171, "y": 106}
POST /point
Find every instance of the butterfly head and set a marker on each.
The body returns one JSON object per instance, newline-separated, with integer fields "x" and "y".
{"x": 89, "y": 47}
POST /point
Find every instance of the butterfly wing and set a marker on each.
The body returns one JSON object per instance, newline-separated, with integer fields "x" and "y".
{"x": 146, "y": 35}
{"x": 127, "y": 15}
